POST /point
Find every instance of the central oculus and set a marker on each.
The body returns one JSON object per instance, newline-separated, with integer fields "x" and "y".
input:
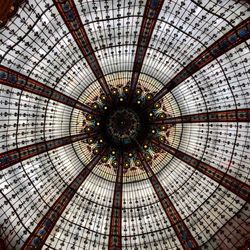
{"x": 123, "y": 126}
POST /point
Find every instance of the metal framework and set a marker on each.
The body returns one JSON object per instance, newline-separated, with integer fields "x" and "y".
{"x": 231, "y": 39}
{"x": 151, "y": 12}
{"x": 180, "y": 228}
{"x": 70, "y": 15}
{"x": 235, "y": 115}
{"x": 236, "y": 186}
{"x": 115, "y": 235}
{"x": 14, "y": 79}
{"x": 14, "y": 156}
{"x": 39, "y": 235}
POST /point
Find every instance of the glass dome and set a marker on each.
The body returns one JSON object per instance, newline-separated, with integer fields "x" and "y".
{"x": 125, "y": 124}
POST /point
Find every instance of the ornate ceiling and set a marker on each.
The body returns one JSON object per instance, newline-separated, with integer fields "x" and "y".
{"x": 125, "y": 124}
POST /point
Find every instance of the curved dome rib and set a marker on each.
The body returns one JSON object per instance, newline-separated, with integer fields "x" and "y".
{"x": 38, "y": 237}
{"x": 15, "y": 156}
{"x": 183, "y": 233}
{"x": 68, "y": 11}
{"x": 115, "y": 235}
{"x": 15, "y": 79}
{"x": 235, "y": 115}
{"x": 231, "y": 39}
{"x": 238, "y": 187}
{"x": 151, "y": 13}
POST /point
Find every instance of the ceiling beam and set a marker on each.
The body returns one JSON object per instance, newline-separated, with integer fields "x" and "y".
{"x": 235, "y": 115}
{"x": 115, "y": 234}
{"x": 228, "y": 41}
{"x": 70, "y": 16}
{"x": 182, "y": 232}
{"x": 14, "y": 79}
{"x": 229, "y": 182}
{"x": 17, "y": 155}
{"x": 151, "y": 13}
{"x": 37, "y": 238}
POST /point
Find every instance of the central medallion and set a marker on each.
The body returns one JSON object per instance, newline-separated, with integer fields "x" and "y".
{"x": 123, "y": 126}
